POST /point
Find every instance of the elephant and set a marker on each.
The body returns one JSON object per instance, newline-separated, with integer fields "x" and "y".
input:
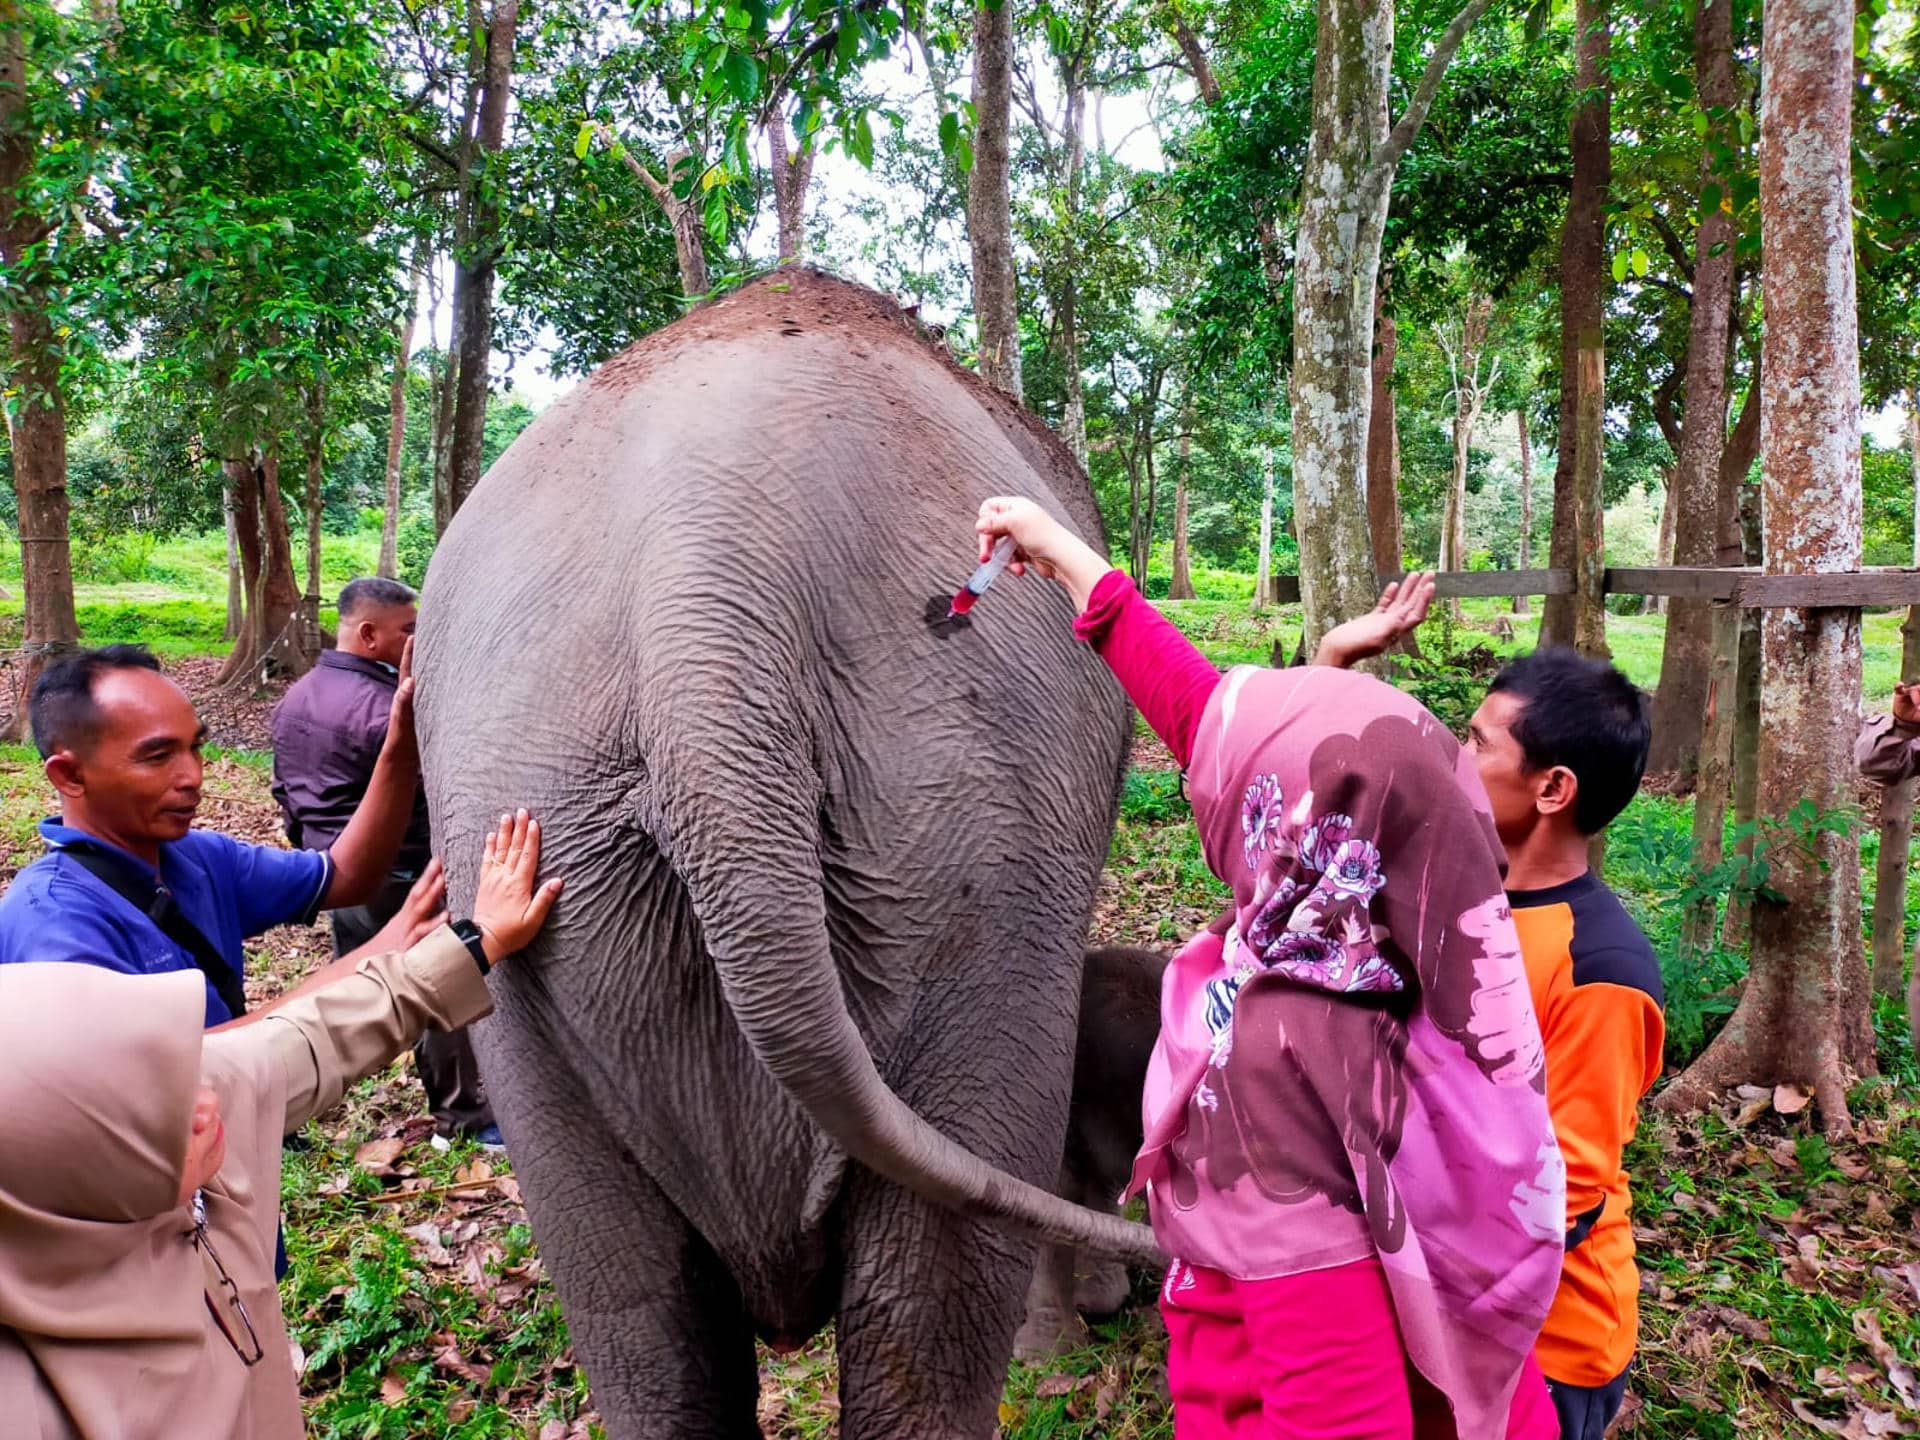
{"x": 1119, "y": 1022}
{"x": 797, "y": 1042}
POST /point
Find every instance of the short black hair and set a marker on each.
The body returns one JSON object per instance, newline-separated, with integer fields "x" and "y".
{"x": 1584, "y": 714}
{"x": 62, "y": 711}
{"x": 372, "y": 592}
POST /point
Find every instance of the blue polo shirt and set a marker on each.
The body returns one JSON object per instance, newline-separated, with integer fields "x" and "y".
{"x": 57, "y": 910}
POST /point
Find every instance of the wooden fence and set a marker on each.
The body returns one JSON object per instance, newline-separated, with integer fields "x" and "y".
{"x": 1746, "y": 588}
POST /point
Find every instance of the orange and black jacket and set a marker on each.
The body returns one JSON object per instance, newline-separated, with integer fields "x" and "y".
{"x": 1596, "y": 988}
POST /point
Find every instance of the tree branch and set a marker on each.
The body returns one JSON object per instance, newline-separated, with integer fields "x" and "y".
{"x": 661, "y": 192}
{"x": 1400, "y": 139}
{"x": 1198, "y": 65}
{"x": 1670, "y": 242}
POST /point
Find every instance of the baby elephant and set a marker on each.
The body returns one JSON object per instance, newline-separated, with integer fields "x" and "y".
{"x": 1119, "y": 1020}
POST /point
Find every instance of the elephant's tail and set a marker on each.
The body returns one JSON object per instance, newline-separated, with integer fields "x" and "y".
{"x": 743, "y": 837}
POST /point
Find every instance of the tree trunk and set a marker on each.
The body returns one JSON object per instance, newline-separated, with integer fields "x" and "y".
{"x": 1663, "y": 546}
{"x": 1896, "y": 841}
{"x": 1336, "y": 266}
{"x": 1180, "y": 587}
{"x": 1526, "y": 503}
{"x": 989, "y": 206}
{"x": 1804, "y": 1016}
{"x": 1746, "y": 720}
{"x": 1913, "y": 455}
{"x": 1716, "y": 765}
{"x": 792, "y": 174}
{"x": 243, "y": 484}
{"x": 1263, "y": 596}
{"x": 36, "y": 412}
{"x": 474, "y": 262}
{"x": 285, "y": 650}
{"x": 389, "y": 563}
{"x": 1679, "y": 702}
{"x": 1074, "y": 419}
{"x": 236, "y": 588}
{"x": 316, "y": 438}
{"x": 1579, "y": 541}
{"x": 1383, "y": 447}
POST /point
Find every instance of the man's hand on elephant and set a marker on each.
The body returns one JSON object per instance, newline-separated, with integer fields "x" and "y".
{"x": 507, "y": 906}
{"x": 400, "y": 735}
{"x": 1403, "y": 605}
{"x": 1043, "y": 543}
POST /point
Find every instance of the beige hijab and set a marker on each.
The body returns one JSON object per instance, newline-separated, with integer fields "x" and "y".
{"x": 105, "y": 1331}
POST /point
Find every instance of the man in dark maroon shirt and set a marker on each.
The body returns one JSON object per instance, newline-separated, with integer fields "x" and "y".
{"x": 327, "y": 733}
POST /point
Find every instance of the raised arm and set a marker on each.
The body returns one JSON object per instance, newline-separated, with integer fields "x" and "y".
{"x": 363, "y": 856}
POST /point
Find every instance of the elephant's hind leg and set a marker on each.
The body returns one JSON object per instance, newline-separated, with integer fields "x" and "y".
{"x": 655, "y": 1317}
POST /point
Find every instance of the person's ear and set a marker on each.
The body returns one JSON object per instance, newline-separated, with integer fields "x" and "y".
{"x": 367, "y": 633}
{"x": 1558, "y": 789}
{"x": 64, "y": 774}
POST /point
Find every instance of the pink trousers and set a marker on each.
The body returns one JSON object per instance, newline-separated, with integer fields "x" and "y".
{"x": 1265, "y": 1360}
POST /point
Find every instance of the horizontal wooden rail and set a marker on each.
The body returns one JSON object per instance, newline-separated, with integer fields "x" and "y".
{"x": 1749, "y": 588}
{"x": 1482, "y": 583}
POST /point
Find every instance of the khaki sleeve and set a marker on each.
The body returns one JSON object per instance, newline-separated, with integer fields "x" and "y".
{"x": 327, "y": 1039}
{"x": 1887, "y": 751}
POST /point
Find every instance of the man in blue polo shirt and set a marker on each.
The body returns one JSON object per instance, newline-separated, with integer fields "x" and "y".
{"x": 126, "y": 882}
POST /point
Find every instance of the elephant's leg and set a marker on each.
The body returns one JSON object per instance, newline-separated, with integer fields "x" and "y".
{"x": 654, "y": 1316}
{"x": 1052, "y": 1325}
{"x": 929, "y": 1303}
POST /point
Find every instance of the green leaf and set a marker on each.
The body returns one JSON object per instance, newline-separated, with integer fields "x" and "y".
{"x": 846, "y": 44}
{"x": 1641, "y": 264}
{"x": 963, "y": 155}
{"x": 1619, "y": 266}
{"x": 860, "y": 139}
{"x": 715, "y": 214}
{"x": 216, "y": 121}
{"x": 949, "y": 133}
{"x": 743, "y": 76}
{"x": 583, "y": 142}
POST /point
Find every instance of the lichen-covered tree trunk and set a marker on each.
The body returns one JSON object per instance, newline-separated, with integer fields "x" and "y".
{"x": 1715, "y": 787}
{"x": 244, "y": 486}
{"x": 1383, "y": 447}
{"x": 1073, "y": 419}
{"x": 36, "y": 410}
{"x": 285, "y": 650}
{"x": 1180, "y": 587}
{"x": 989, "y": 202}
{"x": 1746, "y": 719}
{"x": 1526, "y": 502}
{"x": 1579, "y": 537}
{"x": 1663, "y": 547}
{"x": 1679, "y": 703}
{"x": 1804, "y": 1015}
{"x": 1336, "y": 265}
{"x": 1896, "y": 841}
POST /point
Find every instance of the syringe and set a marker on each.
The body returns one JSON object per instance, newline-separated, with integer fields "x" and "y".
{"x": 969, "y": 594}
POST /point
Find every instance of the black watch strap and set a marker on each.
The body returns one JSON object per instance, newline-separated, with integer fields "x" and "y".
{"x": 475, "y": 942}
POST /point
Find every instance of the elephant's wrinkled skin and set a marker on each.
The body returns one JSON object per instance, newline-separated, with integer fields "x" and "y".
{"x": 682, "y": 619}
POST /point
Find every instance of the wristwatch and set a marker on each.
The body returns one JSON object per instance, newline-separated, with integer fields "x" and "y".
{"x": 475, "y": 942}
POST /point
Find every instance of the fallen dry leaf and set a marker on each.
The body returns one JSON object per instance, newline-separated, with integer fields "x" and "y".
{"x": 393, "y": 1389}
{"x": 1790, "y": 1099}
{"x": 376, "y": 1157}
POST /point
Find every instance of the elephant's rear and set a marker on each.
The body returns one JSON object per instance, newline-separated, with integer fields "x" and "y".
{"x": 682, "y": 618}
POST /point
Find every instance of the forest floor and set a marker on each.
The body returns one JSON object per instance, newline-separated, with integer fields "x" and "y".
{"x": 1781, "y": 1274}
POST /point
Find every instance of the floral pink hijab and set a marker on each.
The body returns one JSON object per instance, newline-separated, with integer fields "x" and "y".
{"x": 1349, "y": 1063}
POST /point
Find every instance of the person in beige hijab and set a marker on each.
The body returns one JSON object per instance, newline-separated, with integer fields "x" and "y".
{"x": 140, "y": 1168}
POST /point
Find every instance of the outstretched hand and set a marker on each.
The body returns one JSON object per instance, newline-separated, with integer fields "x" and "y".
{"x": 420, "y": 914}
{"x": 1403, "y": 605}
{"x": 507, "y": 906}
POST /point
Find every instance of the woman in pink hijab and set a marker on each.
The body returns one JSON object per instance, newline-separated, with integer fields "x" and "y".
{"x": 1347, "y": 1149}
